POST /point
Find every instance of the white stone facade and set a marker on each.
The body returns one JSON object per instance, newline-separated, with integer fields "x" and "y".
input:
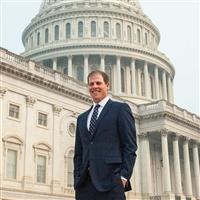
{"x": 39, "y": 105}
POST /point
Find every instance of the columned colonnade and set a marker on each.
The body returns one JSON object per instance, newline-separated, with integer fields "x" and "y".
{"x": 130, "y": 76}
{"x": 179, "y": 143}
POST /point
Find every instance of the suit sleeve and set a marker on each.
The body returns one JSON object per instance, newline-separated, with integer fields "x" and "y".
{"x": 127, "y": 132}
{"x": 77, "y": 152}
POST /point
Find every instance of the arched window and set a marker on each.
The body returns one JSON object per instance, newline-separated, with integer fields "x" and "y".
{"x": 38, "y": 38}
{"x": 142, "y": 85}
{"x": 93, "y": 29}
{"x": 129, "y": 33}
{"x": 146, "y": 39}
{"x": 68, "y": 30}
{"x": 118, "y": 31}
{"x": 70, "y": 168}
{"x": 46, "y": 35}
{"x": 80, "y": 73}
{"x": 138, "y": 36}
{"x": 122, "y": 79}
{"x": 106, "y": 29}
{"x": 56, "y": 32}
{"x": 80, "y": 29}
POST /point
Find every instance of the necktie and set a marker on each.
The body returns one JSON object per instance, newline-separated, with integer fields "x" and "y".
{"x": 94, "y": 119}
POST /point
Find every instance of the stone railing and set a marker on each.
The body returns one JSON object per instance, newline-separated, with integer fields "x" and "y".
{"x": 162, "y": 105}
{"x": 41, "y": 71}
{"x": 155, "y": 197}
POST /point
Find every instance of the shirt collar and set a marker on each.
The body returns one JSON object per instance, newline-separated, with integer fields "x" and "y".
{"x": 103, "y": 102}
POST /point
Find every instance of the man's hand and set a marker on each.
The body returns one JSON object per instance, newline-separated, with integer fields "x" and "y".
{"x": 124, "y": 182}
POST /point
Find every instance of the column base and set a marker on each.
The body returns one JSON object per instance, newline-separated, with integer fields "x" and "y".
{"x": 55, "y": 187}
{"x": 27, "y": 183}
{"x": 168, "y": 196}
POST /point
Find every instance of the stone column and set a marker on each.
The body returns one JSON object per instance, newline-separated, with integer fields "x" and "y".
{"x": 56, "y": 176}
{"x": 169, "y": 88}
{"x": 55, "y": 64}
{"x": 28, "y": 178}
{"x": 196, "y": 169}
{"x": 128, "y": 80}
{"x": 70, "y": 66}
{"x": 3, "y": 91}
{"x": 177, "y": 167}
{"x": 133, "y": 79}
{"x": 156, "y": 75}
{"x": 146, "y": 80}
{"x": 102, "y": 67}
{"x": 164, "y": 86}
{"x": 85, "y": 68}
{"x": 188, "y": 181}
{"x": 165, "y": 155}
{"x": 172, "y": 90}
{"x": 118, "y": 75}
{"x": 139, "y": 83}
{"x": 146, "y": 163}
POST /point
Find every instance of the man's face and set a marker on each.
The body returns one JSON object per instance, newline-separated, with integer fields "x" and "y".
{"x": 97, "y": 87}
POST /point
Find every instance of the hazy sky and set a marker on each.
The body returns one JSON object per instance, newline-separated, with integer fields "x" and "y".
{"x": 178, "y": 23}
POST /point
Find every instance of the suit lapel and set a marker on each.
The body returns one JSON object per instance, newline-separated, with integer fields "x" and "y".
{"x": 85, "y": 117}
{"x": 103, "y": 112}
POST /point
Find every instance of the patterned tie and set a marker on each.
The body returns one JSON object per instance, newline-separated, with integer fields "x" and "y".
{"x": 94, "y": 119}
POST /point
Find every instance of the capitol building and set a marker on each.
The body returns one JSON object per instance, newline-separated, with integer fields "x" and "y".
{"x": 44, "y": 89}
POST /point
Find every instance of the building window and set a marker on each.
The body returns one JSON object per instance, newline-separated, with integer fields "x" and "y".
{"x": 80, "y": 29}
{"x": 46, "y": 35}
{"x": 129, "y": 33}
{"x": 11, "y": 164}
{"x": 65, "y": 70}
{"x": 80, "y": 73}
{"x": 118, "y": 31}
{"x": 70, "y": 168}
{"x": 146, "y": 39}
{"x": 93, "y": 29}
{"x": 14, "y": 111}
{"x": 41, "y": 169}
{"x": 138, "y": 36}
{"x": 48, "y": 63}
{"x": 106, "y": 29}
{"x": 68, "y": 30}
{"x": 56, "y": 32}
{"x": 38, "y": 38}
{"x": 42, "y": 119}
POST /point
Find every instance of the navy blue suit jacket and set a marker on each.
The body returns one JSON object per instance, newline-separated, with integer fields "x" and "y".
{"x": 110, "y": 152}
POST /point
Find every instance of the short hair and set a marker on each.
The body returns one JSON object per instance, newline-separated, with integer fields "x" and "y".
{"x": 103, "y": 74}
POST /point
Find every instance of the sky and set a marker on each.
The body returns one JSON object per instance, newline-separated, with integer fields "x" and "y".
{"x": 177, "y": 20}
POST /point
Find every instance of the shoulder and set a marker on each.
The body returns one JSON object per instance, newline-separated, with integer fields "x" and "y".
{"x": 120, "y": 104}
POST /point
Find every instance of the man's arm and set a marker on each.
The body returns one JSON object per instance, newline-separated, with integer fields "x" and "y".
{"x": 127, "y": 132}
{"x": 77, "y": 152}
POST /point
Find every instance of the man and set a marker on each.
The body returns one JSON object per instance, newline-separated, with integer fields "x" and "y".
{"x": 105, "y": 146}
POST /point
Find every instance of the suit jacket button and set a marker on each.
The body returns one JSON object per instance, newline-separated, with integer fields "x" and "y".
{"x": 91, "y": 143}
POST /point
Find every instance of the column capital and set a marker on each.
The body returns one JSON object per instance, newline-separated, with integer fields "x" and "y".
{"x": 86, "y": 55}
{"x": 175, "y": 136}
{"x": 185, "y": 139}
{"x": 30, "y": 101}
{"x": 102, "y": 56}
{"x": 69, "y": 56}
{"x": 3, "y": 91}
{"x": 57, "y": 109}
{"x": 164, "y": 132}
{"x": 143, "y": 135}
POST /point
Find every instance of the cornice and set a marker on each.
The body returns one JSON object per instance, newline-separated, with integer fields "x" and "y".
{"x": 172, "y": 117}
{"x": 41, "y": 82}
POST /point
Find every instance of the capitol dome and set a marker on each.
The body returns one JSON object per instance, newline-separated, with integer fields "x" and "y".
{"x": 75, "y": 37}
